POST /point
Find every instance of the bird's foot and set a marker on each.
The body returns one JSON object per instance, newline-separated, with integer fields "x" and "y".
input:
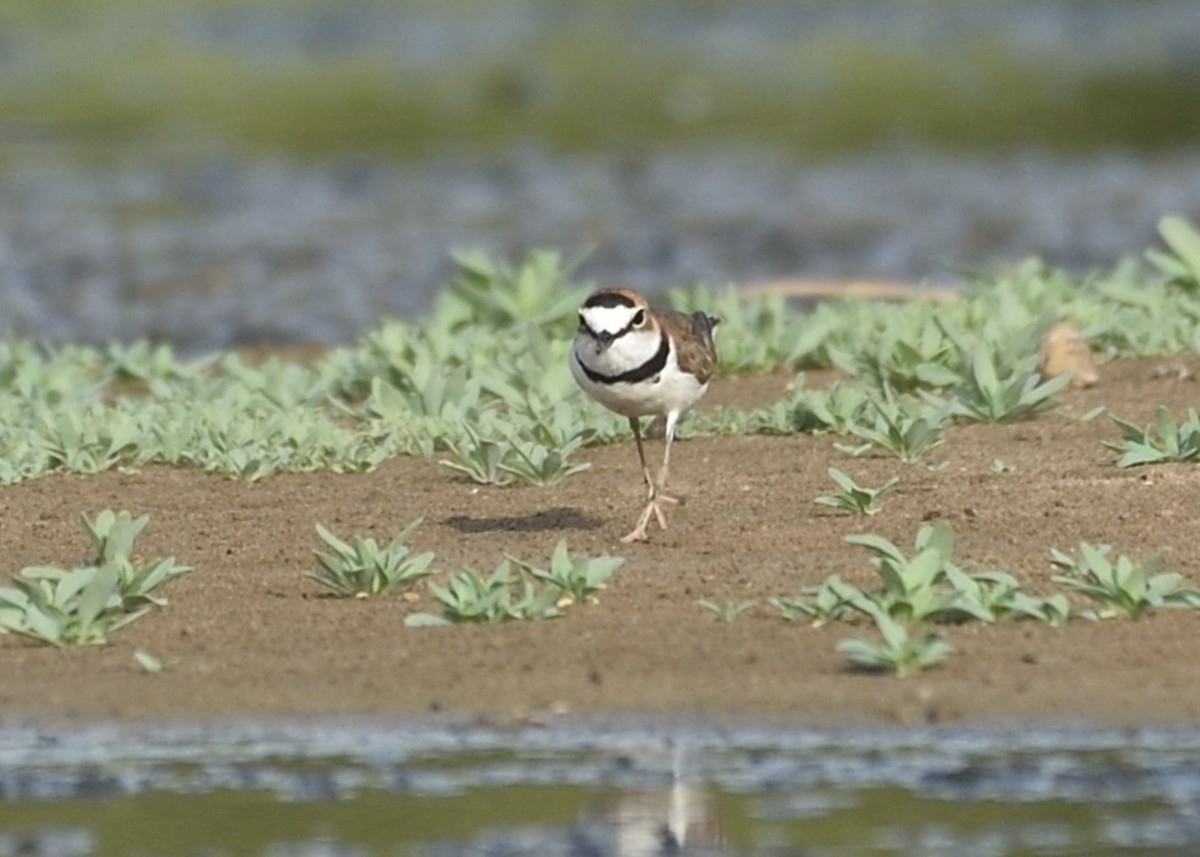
{"x": 653, "y": 509}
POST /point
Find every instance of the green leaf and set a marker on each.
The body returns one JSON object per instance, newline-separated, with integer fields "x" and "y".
{"x": 984, "y": 371}
{"x": 1167, "y": 430}
{"x": 96, "y": 595}
{"x": 939, "y": 538}
{"x": 877, "y": 544}
{"x": 74, "y": 582}
{"x": 1183, "y": 241}
{"x": 923, "y": 570}
{"x": 42, "y": 626}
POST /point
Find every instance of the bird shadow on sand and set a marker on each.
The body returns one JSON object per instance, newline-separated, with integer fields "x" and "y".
{"x": 562, "y": 518}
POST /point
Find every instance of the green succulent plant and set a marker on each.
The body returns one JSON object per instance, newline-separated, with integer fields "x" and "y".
{"x": 991, "y": 393}
{"x": 577, "y": 577}
{"x": 84, "y": 605}
{"x": 1161, "y": 442}
{"x": 473, "y": 598}
{"x": 1181, "y": 265}
{"x": 1122, "y": 587}
{"x": 363, "y": 567}
{"x": 726, "y": 611}
{"x": 897, "y": 651}
{"x": 854, "y": 497}
{"x": 832, "y": 601}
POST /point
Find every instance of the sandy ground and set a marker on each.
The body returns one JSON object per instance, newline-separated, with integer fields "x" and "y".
{"x": 248, "y": 634}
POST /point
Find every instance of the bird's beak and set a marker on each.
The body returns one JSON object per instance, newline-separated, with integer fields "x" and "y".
{"x": 603, "y": 340}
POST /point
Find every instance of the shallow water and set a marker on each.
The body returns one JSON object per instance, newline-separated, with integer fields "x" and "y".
{"x": 365, "y": 787}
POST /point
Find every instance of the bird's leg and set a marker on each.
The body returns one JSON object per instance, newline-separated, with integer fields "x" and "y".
{"x": 660, "y": 484}
{"x": 638, "y": 533}
{"x": 655, "y": 489}
{"x": 635, "y": 423}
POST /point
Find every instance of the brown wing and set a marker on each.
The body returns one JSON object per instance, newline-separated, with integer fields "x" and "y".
{"x": 693, "y": 337}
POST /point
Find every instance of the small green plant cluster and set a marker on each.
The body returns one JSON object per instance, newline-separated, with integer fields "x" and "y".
{"x": 898, "y": 649}
{"x": 930, "y": 587}
{"x": 899, "y": 425}
{"x": 853, "y": 497}
{"x": 905, "y": 358}
{"x": 926, "y": 587}
{"x": 820, "y": 605}
{"x": 517, "y": 589}
{"x": 85, "y": 605}
{"x": 1122, "y": 587}
{"x": 726, "y": 611}
{"x": 501, "y": 596}
{"x": 509, "y": 455}
{"x": 577, "y": 578}
{"x": 991, "y": 393}
{"x": 362, "y": 568}
{"x": 485, "y": 382}
{"x": 836, "y": 408}
{"x": 486, "y": 293}
{"x": 905, "y": 425}
{"x": 1181, "y": 263}
{"x": 1161, "y": 442}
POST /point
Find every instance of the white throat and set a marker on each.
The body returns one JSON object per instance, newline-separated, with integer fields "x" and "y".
{"x": 622, "y": 354}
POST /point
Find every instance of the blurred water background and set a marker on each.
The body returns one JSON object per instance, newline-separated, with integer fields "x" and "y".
{"x": 217, "y": 172}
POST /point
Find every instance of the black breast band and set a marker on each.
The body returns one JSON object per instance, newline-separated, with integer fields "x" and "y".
{"x": 638, "y": 373}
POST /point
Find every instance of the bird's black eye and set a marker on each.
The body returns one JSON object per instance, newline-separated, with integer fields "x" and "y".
{"x": 639, "y": 318}
{"x": 582, "y": 322}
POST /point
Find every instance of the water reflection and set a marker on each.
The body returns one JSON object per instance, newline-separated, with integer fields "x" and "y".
{"x": 437, "y": 790}
{"x": 643, "y": 824}
{"x": 679, "y": 818}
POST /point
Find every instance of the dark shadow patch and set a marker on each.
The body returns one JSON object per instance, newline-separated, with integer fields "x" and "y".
{"x": 548, "y": 519}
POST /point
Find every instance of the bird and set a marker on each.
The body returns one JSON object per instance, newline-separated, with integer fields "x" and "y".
{"x": 641, "y": 361}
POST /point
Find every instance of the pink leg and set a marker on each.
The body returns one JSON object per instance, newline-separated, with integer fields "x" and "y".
{"x": 655, "y": 490}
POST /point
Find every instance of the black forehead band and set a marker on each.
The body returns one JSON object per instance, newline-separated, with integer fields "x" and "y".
{"x": 608, "y": 299}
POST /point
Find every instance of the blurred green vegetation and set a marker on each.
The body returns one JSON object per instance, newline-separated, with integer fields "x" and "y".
{"x": 188, "y": 72}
